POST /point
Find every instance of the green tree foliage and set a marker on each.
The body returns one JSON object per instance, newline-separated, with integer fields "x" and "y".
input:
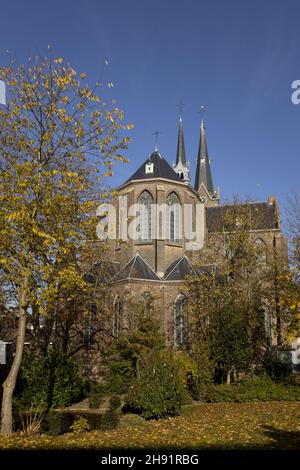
{"x": 227, "y": 303}
{"x": 127, "y": 352}
{"x": 157, "y": 392}
{"x": 52, "y": 381}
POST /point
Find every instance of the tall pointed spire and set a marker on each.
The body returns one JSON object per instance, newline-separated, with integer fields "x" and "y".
{"x": 180, "y": 156}
{"x": 181, "y": 166}
{"x": 203, "y": 172}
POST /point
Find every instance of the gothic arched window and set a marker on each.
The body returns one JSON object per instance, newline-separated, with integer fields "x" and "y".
{"x": 173, "y": 218}
{"x": 145, "y": 207}
{"x": 180, "y": 321}
{"x": 117, "y": 317}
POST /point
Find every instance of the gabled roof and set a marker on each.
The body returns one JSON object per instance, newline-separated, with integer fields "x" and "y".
{"x": 179, "y": 270}
{"x": 161, "y": 169}
{"x": 136, "y": 268}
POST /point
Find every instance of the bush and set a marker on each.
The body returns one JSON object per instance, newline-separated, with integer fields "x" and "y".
{"x": 52, "y": 381}
{"x": 80, "y": 425}
{"x": 120, "y": 376}
{"x": 158, "y": 391}
{"x": 95, "y": 400}
{"x": 109, "y": 420}
{"x": 58, "y": 422}
{"x": 61, "y": 422}
{"x": 188, "y": 373}
{"x": 277, "y": 368}
{"x": 256, "y": 388}
{"x": 114, "y": 402}
{"x": 91, "y": 387}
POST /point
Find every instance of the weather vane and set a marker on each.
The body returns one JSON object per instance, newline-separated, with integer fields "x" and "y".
{"x": 156, "y": 133}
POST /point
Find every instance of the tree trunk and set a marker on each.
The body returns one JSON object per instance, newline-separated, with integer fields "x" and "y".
{"x": 10, "y": 382}
{"x": 228, "y": 377}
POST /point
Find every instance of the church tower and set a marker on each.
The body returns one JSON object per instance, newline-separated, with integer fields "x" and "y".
{"x": 181, "y": 166}
{"x": 203, "y": 179}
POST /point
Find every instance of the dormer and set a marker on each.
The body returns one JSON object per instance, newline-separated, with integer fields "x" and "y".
{"x": 149, "y": 168}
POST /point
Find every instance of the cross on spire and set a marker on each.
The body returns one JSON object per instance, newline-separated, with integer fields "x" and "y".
{"x": 180, "y": 106}
{"x": 156, "y": 133}
{"x": 201, "y": 112}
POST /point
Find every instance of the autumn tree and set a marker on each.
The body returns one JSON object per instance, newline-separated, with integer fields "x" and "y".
{"x": 229, "y": 300}
{"x": 290, "y": 280}
{"x": 58, "y": 142}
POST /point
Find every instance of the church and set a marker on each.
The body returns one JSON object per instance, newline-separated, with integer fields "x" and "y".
{"x": 158, "y": 265}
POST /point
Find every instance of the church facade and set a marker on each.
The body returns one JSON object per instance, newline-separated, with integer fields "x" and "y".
{"x": 158, "y": 265}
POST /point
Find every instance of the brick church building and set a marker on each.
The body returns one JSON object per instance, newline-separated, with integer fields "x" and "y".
{"x": 158, "y": 266}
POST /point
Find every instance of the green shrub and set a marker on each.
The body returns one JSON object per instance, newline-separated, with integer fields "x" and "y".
{"x": 52, "y": 381}
{"x": 94, "y": 420}
{"x": 120, "y": 376}
{"x": 92, "y": 387}
{"x": 256, "y": 388}
{"x": 187, "y": 399}
{"x": 114, "y": 402}
{"x": 61, "y": 422}
{"x": 158, "y": 391}
{"x": 277, "y": 368}
{"x": 95, "y": 400}
{"x": 79, "y": 425}
{"x": 58, "y": 422}
{"x": 109, "y": 420}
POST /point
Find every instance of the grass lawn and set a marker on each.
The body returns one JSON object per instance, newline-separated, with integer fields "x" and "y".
{"x": 269, "y": 425}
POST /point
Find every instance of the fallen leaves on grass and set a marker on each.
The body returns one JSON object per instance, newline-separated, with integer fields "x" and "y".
{"x": 202, "y": 426}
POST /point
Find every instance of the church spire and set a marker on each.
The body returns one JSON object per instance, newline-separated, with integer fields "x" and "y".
{"x": 203, "y": 173}
{"x": 181, "y": 166}
{"x": 180, "y": 156}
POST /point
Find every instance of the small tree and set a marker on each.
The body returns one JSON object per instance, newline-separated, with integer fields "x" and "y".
{"x": 227, "y": 302}
{"x": 128, "y": 351}
{"x": 52, "y": 381}
{"x": 157, "y": 392}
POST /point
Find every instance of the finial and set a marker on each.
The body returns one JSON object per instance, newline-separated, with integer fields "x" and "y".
{"x": 201, "y": 112}
{"x": 180, "y": 106}
{"x": 156, "y": 133}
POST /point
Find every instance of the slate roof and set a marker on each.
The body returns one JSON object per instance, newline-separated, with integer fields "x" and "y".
{"x": 203, "y": 173}
{"x": 136, "y": 268}
{"x": 179, "y": 270}
{"x": 161, "y": 169}
{"x": 262, "y": 215}
{"x": 180, "y": 156}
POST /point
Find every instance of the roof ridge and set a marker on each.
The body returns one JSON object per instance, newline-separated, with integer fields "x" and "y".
{"x": 175, "y": 266}
{"x": 134, "y": 261}
{"x": 148, "y": 265}
{"x": 122, "y": 269}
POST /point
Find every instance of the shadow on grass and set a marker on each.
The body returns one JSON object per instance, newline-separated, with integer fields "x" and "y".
{"x": 281, "y": 440}
{"x": 289, "y": 440}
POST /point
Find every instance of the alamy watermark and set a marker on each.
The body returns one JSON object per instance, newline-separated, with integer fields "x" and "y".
{"x": 295, "y": 96}
{"x": 144, "y": 223}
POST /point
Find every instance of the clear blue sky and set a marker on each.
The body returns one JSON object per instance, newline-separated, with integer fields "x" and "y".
{"x": 238, "y": 58}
